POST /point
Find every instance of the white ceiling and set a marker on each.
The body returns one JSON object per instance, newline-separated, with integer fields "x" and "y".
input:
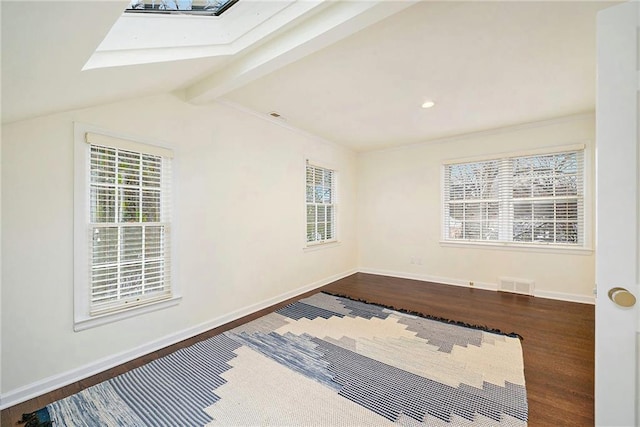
{"x": 354, "y": 73}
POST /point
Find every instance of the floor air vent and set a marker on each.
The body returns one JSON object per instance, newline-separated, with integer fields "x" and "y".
{"x": 518, "y": 286}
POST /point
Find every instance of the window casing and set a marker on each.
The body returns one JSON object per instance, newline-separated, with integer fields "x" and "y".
{"x": 123, "y": 228}
{"x": 320, "y": 205}
{"x": 522, "y": 200}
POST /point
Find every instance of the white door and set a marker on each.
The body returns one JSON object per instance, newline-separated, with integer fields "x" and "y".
{"x": 617, "y": 216}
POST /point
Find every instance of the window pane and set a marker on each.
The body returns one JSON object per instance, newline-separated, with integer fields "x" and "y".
{"x": 129, "y": 205}
{"x": 151, "y": 171}
{"x": 566, "y": 185}
{"x": 523, "y": 211}
{"x": 328, "y": 178}
{"x": 472, "y": 230}
{"x": 322, "y": 212}
{"x": 311, "y": 214}
{"x": 472, "y": 211}
{"x": 566, "y": 163}
{"x": 489, "y": 189}
{"x": 543, "y": 232}
{"x": 105, "y": 245}
{"x": 567, "y": 232}
{"x": 471, "y": 190}
{"x": 322, "y": 231}
{"x": 471, "y": 181}
{"x": 330, "y": 213}
{"x": 213, "y": 7}
{"x": 104, "y": 284}
{"x": 490, "y": 230}
{"x": 327, "y": 195}
{"x": 128, "y": 168}
{"x": 456, "y": 191}
{"x": 543, "y": 211}
{"x": 567, "y": 211}
{"x": 311, "y": 232}
{"x": 533, "y": 166}
{"x": 310, "y": 193}
{"x": 319, "y": 193}
{"x": 151, "y": 206}
{"x": 103, "y": 165}
{"x": 154, "y": 277}
{"x": 521, "y": 188}
{"x": 456, "y": 216}
{"x": 456, "y": 211}
{"x": 131, "y": 280}
{"x": 522, "y": 231}
{"x": 131, "y": 245}
{"x": 329, "y": 230}
{"x": 153, "y": 242}
{"x": 491, "y": 211}
{"x": 103, "y": 204}
{"x": 543, "y": 186}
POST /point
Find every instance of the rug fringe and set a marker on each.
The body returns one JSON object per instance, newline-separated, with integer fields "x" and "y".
{"x": 430, "y": 317}
{"x": 39, "y": 418}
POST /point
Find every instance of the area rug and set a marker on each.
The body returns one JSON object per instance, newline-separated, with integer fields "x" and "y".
{"x": 322, "y": 361}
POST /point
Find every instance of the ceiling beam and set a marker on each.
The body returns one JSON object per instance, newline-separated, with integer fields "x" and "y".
{"x": 335, "y": 22}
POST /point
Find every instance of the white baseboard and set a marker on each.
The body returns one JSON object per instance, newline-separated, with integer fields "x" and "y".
{"x": 35, "y": 389}
{"x": 434, "y": 279}
{"x": 562, "y": 296}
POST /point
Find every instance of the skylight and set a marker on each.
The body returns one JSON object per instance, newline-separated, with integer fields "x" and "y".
{"x": 152, "y": 31}
{"x": 185, "y": 7}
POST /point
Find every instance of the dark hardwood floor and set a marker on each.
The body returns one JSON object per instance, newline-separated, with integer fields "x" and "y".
{"x": 558, "y": 341}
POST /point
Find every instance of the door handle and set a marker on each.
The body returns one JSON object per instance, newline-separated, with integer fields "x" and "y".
{"x": 622, "y": 297}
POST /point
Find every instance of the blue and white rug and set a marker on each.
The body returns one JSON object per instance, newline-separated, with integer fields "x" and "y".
{"x": 322, "y": 361}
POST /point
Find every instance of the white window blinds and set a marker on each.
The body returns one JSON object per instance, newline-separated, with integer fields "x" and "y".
{"x": 321, "y": 204}
{"x": 129, "y": 222}
{"x": 535, "y": 199}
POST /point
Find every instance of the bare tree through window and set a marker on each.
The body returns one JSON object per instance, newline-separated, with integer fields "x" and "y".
{"x": 528, "y": 199}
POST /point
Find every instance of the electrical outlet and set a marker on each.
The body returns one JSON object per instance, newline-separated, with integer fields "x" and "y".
{"x": 471, "y": 284}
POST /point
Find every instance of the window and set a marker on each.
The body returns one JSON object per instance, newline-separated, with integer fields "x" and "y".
{"x": 190, "y": 7}
{"x": 123, "y": 196}
{"x": 534, "y": 199}
{"x": 321, "y": 204}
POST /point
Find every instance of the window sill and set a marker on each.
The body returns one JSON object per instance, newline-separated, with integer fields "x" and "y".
{"x": 542, "y": 248}
{"x": 87, "y": 322}
{"x": 320, "y": 246}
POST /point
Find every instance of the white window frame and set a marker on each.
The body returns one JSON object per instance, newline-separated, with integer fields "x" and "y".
{"x": 84, "y": 318}
{"x": 506, "y": 205}
{"x": 316, "y": 244}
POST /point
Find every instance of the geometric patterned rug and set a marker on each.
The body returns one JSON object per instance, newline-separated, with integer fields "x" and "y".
{"x": 322, "y": 361}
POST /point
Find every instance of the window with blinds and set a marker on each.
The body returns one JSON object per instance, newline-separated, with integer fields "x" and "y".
{"x": 535, "y": 199}
{"x": 321, "y": 204}
{"x": 129, "y": 224}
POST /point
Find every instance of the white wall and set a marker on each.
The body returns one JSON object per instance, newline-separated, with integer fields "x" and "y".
{"x": 399, "y": 214}
{"x": 239, "y": 225}
{"x": 239, "y": 228}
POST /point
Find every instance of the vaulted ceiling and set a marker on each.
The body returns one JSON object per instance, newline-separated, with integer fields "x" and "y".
{"x": 353, "y": 72}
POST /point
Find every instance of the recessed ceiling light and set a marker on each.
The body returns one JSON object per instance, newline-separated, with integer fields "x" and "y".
{"x": 428, "y": 104}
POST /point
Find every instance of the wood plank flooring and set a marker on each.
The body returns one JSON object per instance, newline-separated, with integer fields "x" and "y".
{"x": 558, "y": 341}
